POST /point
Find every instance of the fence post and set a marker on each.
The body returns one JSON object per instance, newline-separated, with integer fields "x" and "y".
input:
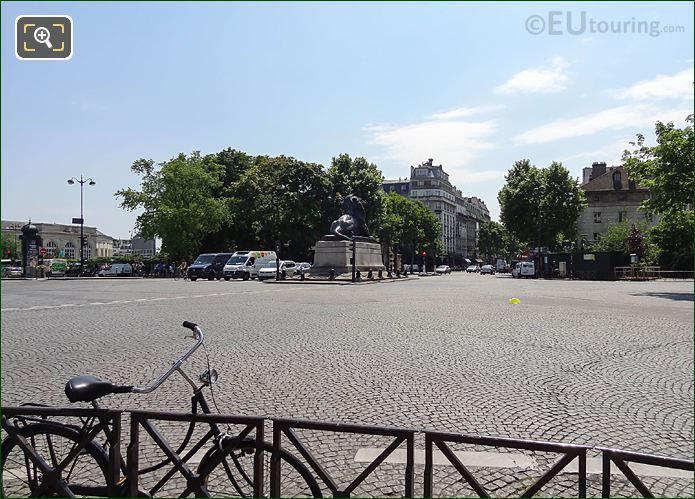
{"x": 606, "y": 476}
{"x": 133, "y": 456}
{"x": 114, "y": 456}
{"x": 427, "y": 492}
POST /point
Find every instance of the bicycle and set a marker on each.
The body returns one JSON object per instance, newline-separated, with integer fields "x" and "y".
{"x": 80, "y": 460}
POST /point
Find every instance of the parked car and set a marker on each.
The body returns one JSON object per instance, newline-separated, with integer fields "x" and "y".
{"x": 246, "y": 264}
{"x": 287, "y": 269}
{"x": 208, "y": 266}
{"x": 487, "y": 269}
{"x": 117, "y": 270}
{"x": 524, "y": 269}
{"x": 472, "y": 268}
{"x": 11, "y": 269}
{"x": 303, "y": 267}
{"x": 443, "y": 269}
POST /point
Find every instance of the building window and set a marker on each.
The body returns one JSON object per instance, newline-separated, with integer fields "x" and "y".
{"x": 597, "y": 236}
{"x": 51, "y": 249}
{"x": 617, "y": 180}
{"x": 622, "y": 216}
{"x": 404, "y": 188}
{"x": 596, "y": 197}
{"x": 597, "y": 217}
{"x": 69, "y": 250}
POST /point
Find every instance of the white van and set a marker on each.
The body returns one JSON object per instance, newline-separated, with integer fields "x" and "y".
{"x": 246, "y": 264}
{"x": 55, "y": 266}
{"x": 524, "y": 269}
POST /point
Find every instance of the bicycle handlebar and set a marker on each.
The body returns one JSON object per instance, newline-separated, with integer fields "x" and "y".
{"x": 197, "y": 335}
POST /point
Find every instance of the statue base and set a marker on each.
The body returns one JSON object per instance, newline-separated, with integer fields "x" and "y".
{"x": 335, "y": 254}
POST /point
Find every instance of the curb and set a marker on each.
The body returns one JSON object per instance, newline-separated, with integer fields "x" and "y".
{"x": 337, "y": 282}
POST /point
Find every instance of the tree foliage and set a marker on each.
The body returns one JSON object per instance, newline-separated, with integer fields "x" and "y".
{"x": 540, "y": 206}
{"x": 178, "y": 202}
{"x": 665, "y": 169}
{"x": 355, "y": 176}
{"x": 409, "y": 226}
{"x": 491, "y": 240}
{"x": 230, "y": 201}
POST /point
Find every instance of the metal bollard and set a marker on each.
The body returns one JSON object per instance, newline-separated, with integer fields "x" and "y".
{"x": 381, "y": 276}
{"x": 358, "y": 277}
{"x": 370, "y": 275}
{"x": 332, "y": 275}
{"x": 301, "y": 276}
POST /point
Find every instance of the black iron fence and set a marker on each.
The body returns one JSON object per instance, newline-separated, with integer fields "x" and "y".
{"x": 223, "y": 452}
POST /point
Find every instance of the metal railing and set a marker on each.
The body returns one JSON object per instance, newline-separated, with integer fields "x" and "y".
{"x": 194, "y": 482}
{"x": 569, "y": 451}
{"x": 621, "y": 459}
{"x": 103, "y": 422}
{"x": 650, "y": 273}
{"x": 287, "y": 427}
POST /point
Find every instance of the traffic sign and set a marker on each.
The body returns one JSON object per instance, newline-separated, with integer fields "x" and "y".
{"x": 42, "y": 251}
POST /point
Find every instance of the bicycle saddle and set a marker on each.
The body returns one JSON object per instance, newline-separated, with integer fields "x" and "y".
{"x": 87, "y": 388}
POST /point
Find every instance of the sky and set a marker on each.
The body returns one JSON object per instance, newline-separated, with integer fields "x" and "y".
{"x": 473, "y": 86}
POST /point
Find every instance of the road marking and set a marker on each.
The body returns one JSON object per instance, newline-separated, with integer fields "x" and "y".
{"x": 139, "y": 300}
{"x": 594, "y": 465}
{"x": 483, "y": 459}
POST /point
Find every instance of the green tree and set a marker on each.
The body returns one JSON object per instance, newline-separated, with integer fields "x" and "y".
{"x": 665, "y": 169}
{"x": 614, "y": 239}
{"x": 491, "y": 240}
{"x": 673, "y": 240}
{"x": 540, "y": 206}
{"x": 354, "y": 176}
{"x": 281, "y": 199}
{"x": 11, "y": 246}
{"x": 409, "y": 226}
{"x": 178, "y": 202}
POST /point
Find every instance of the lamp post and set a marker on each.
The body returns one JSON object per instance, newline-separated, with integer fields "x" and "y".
{"x": 81, "y": 181}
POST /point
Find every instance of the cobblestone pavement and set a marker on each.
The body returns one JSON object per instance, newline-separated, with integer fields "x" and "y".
{"x": 597, "y": 363}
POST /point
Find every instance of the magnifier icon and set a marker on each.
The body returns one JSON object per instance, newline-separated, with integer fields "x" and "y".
{"x": 42, "y": 35}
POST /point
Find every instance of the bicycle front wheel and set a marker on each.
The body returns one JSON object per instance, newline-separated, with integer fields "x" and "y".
{"x": 232, "y": 475}
{"x": 21, "y": 478}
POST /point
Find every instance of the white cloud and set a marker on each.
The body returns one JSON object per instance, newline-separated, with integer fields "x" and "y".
{"x": 548, "y": 78}
{"x": 677, "y": 86}
{"x": 617, "y": 118}
{"x": 453, "y": 143}
{"x": 463, "y": 112}
{"x": 611, "y": 153}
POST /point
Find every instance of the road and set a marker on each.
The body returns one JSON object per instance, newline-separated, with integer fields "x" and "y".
{"x": 598, "y": 363}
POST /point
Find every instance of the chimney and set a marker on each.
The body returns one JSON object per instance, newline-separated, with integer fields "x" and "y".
{"x": 598, "y": 169}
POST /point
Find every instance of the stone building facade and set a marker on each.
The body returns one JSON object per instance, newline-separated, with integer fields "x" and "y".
{"x": 459, "y": 215}
{"x": 63, "y": 241}
{"x": 611, "y": 198}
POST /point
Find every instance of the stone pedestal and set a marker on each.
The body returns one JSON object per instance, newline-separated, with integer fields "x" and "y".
{"x": 336, "y": 254}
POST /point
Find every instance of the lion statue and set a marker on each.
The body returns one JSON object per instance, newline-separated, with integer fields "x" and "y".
{"x": 353, "y": 222}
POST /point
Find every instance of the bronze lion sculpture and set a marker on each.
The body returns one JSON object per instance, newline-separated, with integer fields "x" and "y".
{"x": 353, "y": 222}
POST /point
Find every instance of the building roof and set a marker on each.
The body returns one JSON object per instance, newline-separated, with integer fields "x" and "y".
{"x": 605, "y": 182}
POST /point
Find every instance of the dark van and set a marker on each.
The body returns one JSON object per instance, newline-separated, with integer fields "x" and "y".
{"x": 208, "y": 266}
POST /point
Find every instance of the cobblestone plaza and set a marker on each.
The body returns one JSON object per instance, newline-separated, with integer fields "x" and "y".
{"x": 598, "y": 363}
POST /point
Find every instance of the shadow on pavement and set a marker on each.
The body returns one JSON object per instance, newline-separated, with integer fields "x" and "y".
{"x": 670, "y": 296}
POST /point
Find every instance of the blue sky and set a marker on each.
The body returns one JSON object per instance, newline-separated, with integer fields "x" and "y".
{"x": 466, "y": 84}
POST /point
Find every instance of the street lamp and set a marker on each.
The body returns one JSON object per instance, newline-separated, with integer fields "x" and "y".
{"x": 81, "y": 181}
